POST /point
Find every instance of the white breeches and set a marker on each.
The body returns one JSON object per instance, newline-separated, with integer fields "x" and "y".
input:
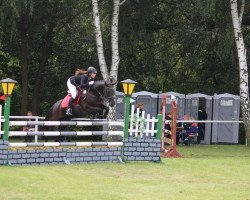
{"x": 72, "y": 89}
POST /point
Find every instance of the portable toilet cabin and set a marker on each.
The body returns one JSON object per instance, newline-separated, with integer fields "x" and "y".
{"x": 180, "y": 100}
{"x": 150, "y": 101}
{"x": 120, "y": 104}
{"x": 195, "y": 102}
{"x": 226, "y": 107}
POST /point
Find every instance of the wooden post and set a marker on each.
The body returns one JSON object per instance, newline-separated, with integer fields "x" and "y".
{"x": 163, "y": 112}
{"x": 172, "y": 152}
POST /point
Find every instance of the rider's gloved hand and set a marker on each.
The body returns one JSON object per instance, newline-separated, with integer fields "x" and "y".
{"x": 91, "y": 82}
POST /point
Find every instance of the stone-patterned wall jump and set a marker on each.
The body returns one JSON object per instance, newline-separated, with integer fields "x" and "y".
{"x": 135, "y": 149}
{"x": 3, "y": 152}
{"x": 142, "y": 149}
{"x": 58, "y": 155}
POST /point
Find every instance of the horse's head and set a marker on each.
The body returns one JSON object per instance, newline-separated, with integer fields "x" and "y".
{"x": 107, "y": 91}
{"x": 110, "y": 93}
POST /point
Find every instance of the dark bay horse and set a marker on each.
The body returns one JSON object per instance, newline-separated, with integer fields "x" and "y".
{"x": 93, "y": 103}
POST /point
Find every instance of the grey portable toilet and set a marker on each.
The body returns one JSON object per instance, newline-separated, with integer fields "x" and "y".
{"x": 226, "y": 107}
{"x": 193, "y": 102}
{"x": 150, "y": 101}
{"x": 180, "y": 100}
{"x": 120, "y": 104}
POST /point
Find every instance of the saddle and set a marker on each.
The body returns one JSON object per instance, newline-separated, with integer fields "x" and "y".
{"x": 65, "y": 101}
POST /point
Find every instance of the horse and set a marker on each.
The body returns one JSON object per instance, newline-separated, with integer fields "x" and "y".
{"x": 90, "y": 104}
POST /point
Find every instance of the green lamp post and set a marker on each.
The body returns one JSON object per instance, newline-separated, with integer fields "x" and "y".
{"x": 128, "y": 88}
{"x": 8, "y": 86}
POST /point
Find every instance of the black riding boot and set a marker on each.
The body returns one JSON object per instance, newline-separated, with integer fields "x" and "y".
{"x": 69, "y": 109}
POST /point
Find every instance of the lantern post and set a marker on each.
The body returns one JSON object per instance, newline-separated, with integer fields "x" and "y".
{"x": 128, "y": 88}
{"x": 8, "y": 86}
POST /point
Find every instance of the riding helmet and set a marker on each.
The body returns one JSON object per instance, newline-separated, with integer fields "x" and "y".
{"x": 92, "y": 70}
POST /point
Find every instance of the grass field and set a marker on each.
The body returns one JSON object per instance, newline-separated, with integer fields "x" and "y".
{"x": 206, "y": 172}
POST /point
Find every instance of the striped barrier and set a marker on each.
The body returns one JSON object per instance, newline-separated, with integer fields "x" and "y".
{"x": 58, "y": 144}
{"x": 66, "y": 123}
{"x": 64, "y": 133}
{"x": 80, "y": 122}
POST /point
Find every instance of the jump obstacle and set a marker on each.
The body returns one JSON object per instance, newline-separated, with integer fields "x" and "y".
{"x": 172, "y": 151}
{"x": 143, "y": 143}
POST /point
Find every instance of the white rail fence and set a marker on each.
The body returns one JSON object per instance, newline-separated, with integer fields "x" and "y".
{"x": 141, "y": 125}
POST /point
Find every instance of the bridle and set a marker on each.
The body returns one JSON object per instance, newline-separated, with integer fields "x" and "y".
{"x": 99, "y": 93}
{"x": 104, "y": 95}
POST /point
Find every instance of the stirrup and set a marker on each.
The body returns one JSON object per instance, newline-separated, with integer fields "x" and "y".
{"x": 69, "y": 111}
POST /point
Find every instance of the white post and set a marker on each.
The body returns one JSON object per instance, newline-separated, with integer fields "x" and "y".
{"x": 0, "y": 118}
{"x": 142, "y": 123}
{"x": 153, "y": 127}
{"x": 147, "y": 126}
{"x": 36, "y": 129}
{"x": 137, "y": 123}
{"x": 131, "y": 120}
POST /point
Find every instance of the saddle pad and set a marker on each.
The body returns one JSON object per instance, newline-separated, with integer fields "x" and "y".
{"x": 65, "y": 101}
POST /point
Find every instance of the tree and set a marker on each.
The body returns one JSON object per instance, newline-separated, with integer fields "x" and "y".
{"x": 30, "y": 29}
{"x": 16, "y": 18}
{"x": 241, "y": 50}
{"x": 113, "y": 74}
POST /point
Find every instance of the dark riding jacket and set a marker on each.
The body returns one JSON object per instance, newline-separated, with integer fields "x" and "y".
{"x": 81, "y": 80}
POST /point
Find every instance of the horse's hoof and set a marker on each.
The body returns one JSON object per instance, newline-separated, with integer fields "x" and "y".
{"x": 104, "y": 116}
{"x": 99, "y": 117}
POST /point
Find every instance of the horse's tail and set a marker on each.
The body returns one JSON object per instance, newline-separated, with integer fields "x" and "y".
{"x": 48, "y": 113}
{"x": 47, "y": 118}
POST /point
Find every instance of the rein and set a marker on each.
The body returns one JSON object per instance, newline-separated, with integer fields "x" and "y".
{"x": 100, "y": 95}
{"x": 104, "y": 95}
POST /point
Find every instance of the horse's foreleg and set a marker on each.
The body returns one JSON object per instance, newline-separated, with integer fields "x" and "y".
{"x": 94, "y": 110}
{"x": 105, "y": 110}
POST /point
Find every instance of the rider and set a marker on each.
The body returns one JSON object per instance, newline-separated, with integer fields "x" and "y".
{"x": 83, "y": 79}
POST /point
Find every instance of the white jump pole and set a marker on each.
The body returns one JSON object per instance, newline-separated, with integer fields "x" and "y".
{"x": 0, "y": 119}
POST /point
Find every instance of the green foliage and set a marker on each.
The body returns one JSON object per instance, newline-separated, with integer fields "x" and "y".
{"x": 165, "y": 45}
{"x": 182, "y": 46}
{"x": 141, "y": 124}
{"x": 9, "y": 66}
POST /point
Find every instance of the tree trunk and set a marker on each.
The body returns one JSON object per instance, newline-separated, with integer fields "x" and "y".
{"x": 23, "y": 28}
{"x": 115, "y": 51}
{"x": 114, "y": 40}
{"x": 244, "y": 91}
{"x": 42, "y": 68}
{"x": 99, "y": 43}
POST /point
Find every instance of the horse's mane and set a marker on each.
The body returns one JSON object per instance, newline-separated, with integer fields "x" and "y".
{"x": 103, "y": 88}
{"x": 99, "y": 84}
